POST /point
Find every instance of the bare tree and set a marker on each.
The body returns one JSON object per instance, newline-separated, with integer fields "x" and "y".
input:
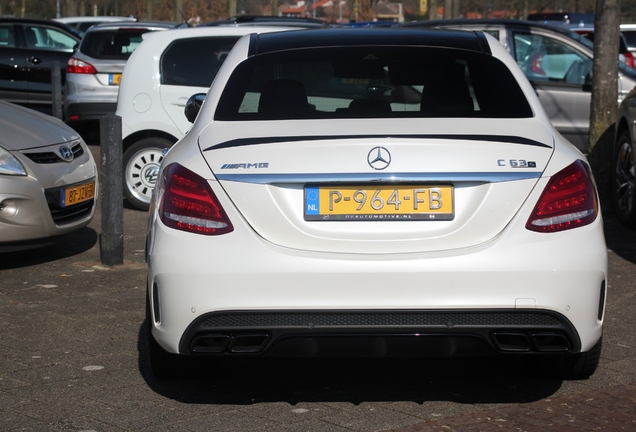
{"x": 603, "y": 107}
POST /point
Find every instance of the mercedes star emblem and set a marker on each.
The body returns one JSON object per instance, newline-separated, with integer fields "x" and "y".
{"x": 379, "y": 158}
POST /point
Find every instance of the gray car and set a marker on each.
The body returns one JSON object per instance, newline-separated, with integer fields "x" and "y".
{"x": 48, "y": 179}
{"x": 624, "y": 172}
{"x": 558, "y": 64}
{"x": 94, "y": 72}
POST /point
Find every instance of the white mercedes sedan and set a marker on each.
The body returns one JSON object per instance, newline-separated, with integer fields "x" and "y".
{"x": 375, "y": 193}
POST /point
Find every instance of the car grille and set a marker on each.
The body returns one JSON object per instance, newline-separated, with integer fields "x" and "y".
{"x": 388, "y": 319}
{"x": 52, "y": 157}
{"x": 67, "y": 215}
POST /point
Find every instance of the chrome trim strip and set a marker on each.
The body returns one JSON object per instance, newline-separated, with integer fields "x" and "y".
{"x": 477, "y": 177}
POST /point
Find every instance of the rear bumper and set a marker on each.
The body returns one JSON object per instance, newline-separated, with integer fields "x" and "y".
{"x": 76, "y": 112}
{"x": 196, "y": 281}
{"x": 405, "y": 333}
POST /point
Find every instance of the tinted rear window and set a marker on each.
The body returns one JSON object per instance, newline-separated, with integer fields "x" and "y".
{"x": 385, "y": 82}
{"x": 195, "y": 62}
{"x": 112, "y": 45}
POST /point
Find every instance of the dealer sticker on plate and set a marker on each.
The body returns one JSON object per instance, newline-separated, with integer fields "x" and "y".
{"x": 375, "y": 203}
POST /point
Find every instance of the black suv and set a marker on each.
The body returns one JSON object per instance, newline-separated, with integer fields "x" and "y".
{"x": 27, "y": 49}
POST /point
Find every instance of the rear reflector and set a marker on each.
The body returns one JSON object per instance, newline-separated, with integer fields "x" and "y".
{"x": 187, "y": 203}
{"x": 568, "y": 201}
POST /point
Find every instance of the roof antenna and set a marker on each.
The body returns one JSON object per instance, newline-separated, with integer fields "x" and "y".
{"x": 181, "y": 13}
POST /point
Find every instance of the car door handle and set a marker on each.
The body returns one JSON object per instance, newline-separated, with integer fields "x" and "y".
{"x": 34, "y": 60}
{"x": 181, "y": 102}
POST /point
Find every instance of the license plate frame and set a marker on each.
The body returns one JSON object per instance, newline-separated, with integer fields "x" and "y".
{"x": 77, "y": 194}
{"x": 392, "y": 202}
{"x": 114, "y": 79}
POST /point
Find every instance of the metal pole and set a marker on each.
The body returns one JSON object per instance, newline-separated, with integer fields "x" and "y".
{"x": 56, "y": 90}
{"x": 111, "y": 187}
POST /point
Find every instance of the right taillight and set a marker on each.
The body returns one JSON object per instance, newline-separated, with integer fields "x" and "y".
{"x": 78, "y": 66}
{"x": 568, "y": 201}
{"x": 187, "y": 203}
{"x": 629, "y": 59}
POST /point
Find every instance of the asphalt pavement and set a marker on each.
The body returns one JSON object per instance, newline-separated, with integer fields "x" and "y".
{"x": 73, "y": 358}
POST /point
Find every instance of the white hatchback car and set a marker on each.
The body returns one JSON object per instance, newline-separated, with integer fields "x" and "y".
{"x": 160, "y": 76}
{"x": 375, "y": 192}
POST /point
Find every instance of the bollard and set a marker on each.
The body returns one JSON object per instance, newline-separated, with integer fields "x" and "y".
{"x": 56, "y": 90}
{"x": 111, "y": 240}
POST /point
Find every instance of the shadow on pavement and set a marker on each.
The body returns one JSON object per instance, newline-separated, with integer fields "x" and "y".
{"x": 78, "y": 243}
{"x": 245, "y": 382}
{"x": 619, "y": 239}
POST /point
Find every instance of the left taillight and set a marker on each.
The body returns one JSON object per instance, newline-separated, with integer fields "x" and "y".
{"x": 78, "y": 66}
{"x": 568, "y": 201}
{"x": 187, "y": 203}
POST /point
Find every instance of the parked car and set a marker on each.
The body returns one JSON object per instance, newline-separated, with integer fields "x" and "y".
{"x": 265, "y": 20}
{"x": 28, "y": 47}
{"x": 48, "y": 179}
{"x": 629, "y": 33}
{"x": 558, "y": 64}
{"x": 94, "y": 72}
{"x": 160, "y": 76}
{"x": 374, "y": 192}
{"x": 83, "y": 23}
{"x": 587, "y": 31}
{"x": 562, "y": 17}
{"x": 624, "y": 172}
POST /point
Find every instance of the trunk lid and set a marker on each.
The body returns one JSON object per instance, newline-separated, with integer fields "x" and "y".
{"x": 466, "y": 186}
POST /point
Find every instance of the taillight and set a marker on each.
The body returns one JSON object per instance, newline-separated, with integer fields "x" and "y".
{"x": 78, "y": 66}
{"x": 536, "y": 64}
{"x": 187, "y": 203}
{"x": 629, "y": 59}
{"x": 568, "y": 201}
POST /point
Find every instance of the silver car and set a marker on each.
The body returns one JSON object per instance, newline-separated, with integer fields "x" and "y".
{"x": 624, "y": 172}
{"x": 48, "y": 179}
{"x": 558, "y": 64}
{"x": 94, "y": 72}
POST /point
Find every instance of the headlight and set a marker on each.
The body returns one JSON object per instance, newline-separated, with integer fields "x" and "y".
{"x": 9, "y": 165}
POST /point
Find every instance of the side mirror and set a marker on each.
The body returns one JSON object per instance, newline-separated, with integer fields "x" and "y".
{"x": 193, "y": 106}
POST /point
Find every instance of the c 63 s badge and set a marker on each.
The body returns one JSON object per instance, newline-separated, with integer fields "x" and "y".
{"x": 516, "y": 163}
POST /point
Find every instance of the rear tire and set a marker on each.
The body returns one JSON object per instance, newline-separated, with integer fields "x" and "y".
{"x": 141, "y": 169}
{"x": 623, "y": 185}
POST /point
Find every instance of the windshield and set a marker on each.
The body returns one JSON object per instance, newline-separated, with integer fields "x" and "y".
{"x": 370, "y": 81}
{"x": 112, "y": 44}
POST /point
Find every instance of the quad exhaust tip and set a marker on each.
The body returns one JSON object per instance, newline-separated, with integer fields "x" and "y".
{"x": 217, "y": 343}
{"x": 533, "y": 341}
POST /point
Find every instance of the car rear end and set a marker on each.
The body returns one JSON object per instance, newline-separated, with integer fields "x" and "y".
{"x": 411, "y": 200}
{"x": 94, "y": 71}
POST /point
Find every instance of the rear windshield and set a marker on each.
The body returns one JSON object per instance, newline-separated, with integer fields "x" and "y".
{"x": 111, "y": 45}
{"x": 385, "y": 82}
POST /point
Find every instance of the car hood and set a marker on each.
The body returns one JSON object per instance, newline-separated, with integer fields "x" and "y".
{"x": 23, "y": 128}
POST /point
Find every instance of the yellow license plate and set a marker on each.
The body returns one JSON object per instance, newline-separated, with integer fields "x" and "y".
{"x": 78, "y": 194}
{"x": 378, "y": 203}
{"x": 114, "y": 79}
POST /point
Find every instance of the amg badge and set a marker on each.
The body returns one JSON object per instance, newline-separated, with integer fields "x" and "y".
{"x": 246, "y": 165}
